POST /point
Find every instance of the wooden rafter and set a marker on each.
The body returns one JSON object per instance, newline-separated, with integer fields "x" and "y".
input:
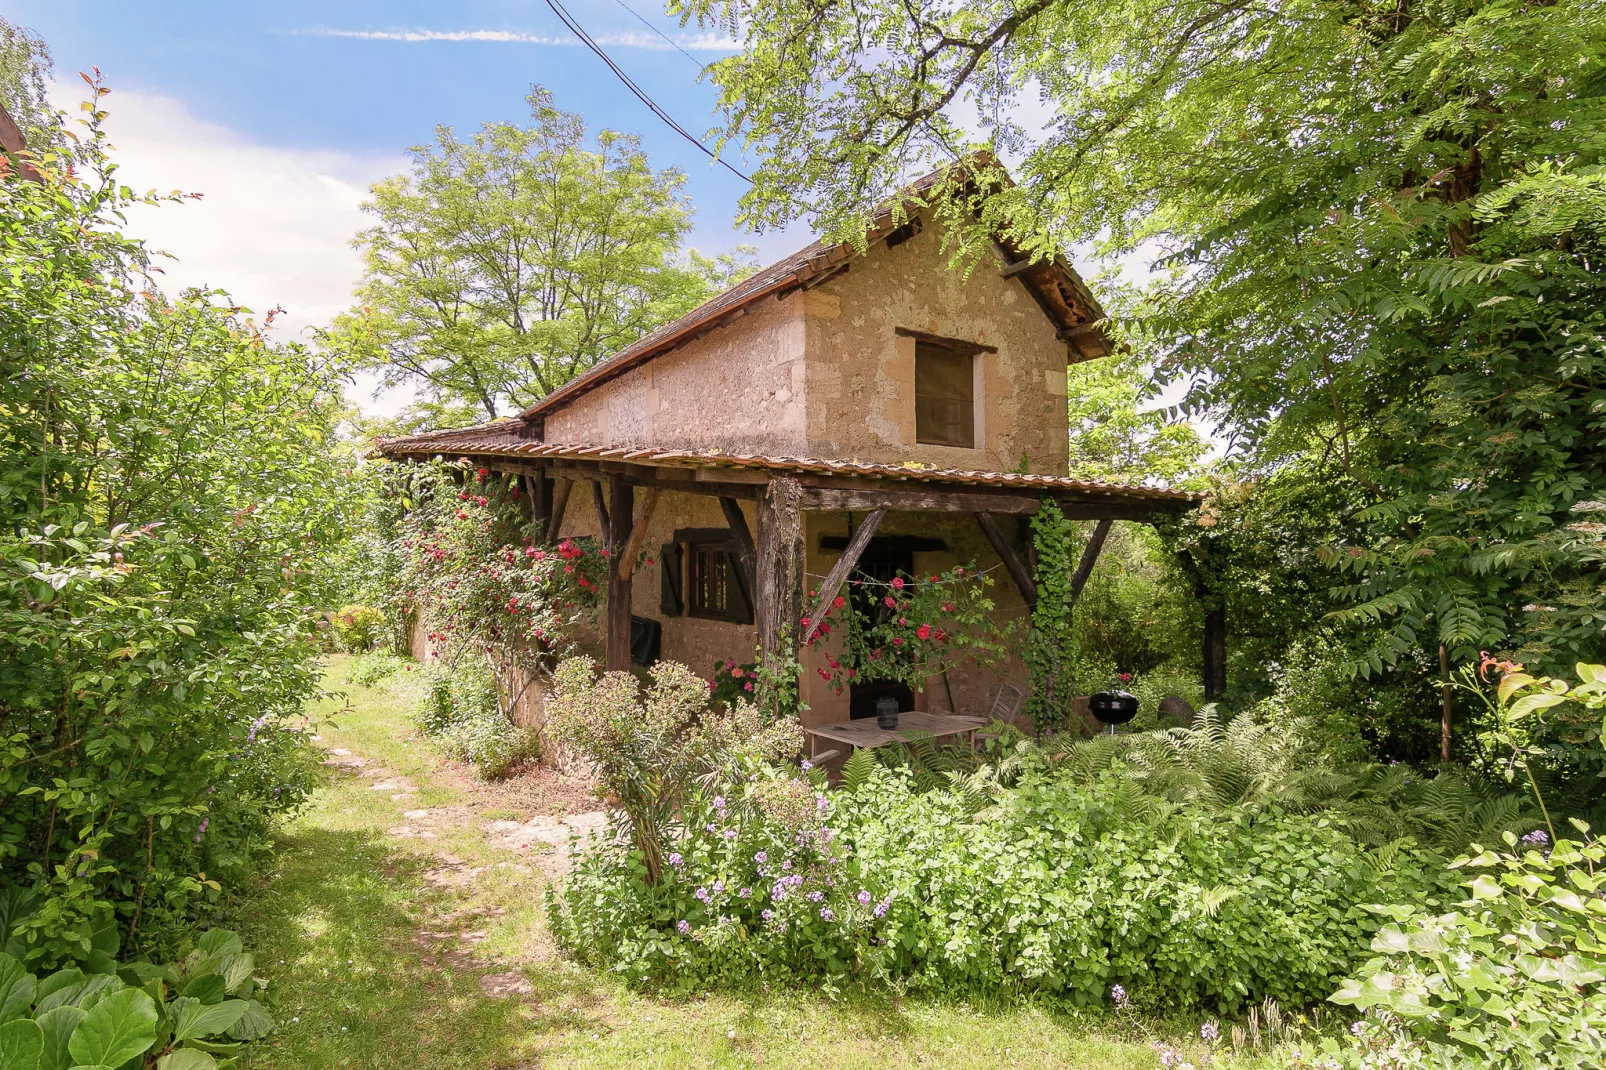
{"x": 1090, "y": 557}
{"x": 840, "y": 570}
{"x": 1006, "y": 553}
{"x": 602, "y": 512}
{"x": 560, "y": 502}
{"x": 638, "y": 534}
{"x": 746, "y": 552}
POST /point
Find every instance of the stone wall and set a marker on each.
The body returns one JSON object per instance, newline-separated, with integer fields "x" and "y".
{"x": 825, "y": 373}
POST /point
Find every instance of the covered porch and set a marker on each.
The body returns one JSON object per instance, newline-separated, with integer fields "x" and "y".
{"x": 792, "y": 531}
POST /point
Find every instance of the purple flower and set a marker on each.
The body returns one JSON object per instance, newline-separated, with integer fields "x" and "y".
{"x": 746, "y": 893}
{"x": 823, "y": 804}
{"x": 864, "y": 898}
{"x": 1209, "y": 1032}
{"x": 778, "y": 892}
{"x": 684, "y": 926}
{"x": 767, "y": 914}
{"x": 1119, "y": 998}
{"x": 807, "y": 765}
{"x": 702, "y": 894}
{"x": 708, "y": 827}
{"x": 1537, "y": 838}
{"x": 760, "y": 857}
{"x": 675, "y": 859}
{"x": 827, "y": 914}
{"x": 1357, "y": 1028}
{"x": 793, "y": 881}
{"x": 719, "y": 802}
{"x": 719, "y": 886}
{"x": 786, "y": 864}
{"x": 815, "y": 896}
{"x": 882, "y": 907}
{"x": 730, "y": 834}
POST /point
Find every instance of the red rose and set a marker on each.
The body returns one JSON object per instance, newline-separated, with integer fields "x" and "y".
{"x": 838, "y": 603}
{"x": 897, "y": 583}
{"x": 924, "y": 631}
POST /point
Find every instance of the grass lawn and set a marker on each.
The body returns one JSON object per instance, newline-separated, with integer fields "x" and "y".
{"x": 376, "y": 939}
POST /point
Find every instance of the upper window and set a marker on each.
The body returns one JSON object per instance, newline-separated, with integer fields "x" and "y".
{"x": 945, "y": 394}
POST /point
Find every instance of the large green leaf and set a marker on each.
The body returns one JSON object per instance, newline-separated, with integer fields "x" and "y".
{"x": 208, "y": 988}
{"x": 219, "y": 942}
{"x": 103, "y": 936}
{"x": 193, "y": 1019}
{"x": 256, "y": 1022}
{"x": 186, "y": 1059}
{"x": 18, "y": 989}
{"x": 236, "y": 971}
{"x": 21, "y": 1042}
{"x": 118, "y": 1028}
{"x": 55, "y": 983}
{"x": 58, "y": 1026}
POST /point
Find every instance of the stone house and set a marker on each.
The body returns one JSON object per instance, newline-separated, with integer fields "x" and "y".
{"x": 874, "y": 412}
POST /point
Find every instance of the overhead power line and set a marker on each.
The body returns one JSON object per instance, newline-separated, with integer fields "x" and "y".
{"x": 640, "y": 94}
{"x": 667, "y": 39}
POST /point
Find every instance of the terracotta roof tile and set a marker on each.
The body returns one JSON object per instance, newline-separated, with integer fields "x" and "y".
{"x": 502, "y": 439}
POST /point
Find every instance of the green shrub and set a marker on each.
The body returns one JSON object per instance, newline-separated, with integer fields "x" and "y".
{"x": 460, "y": 708}
{"x": 359, "y": 627}
{"x": 369, "y": 669}
{"x": 1515, "y": 976}
{"x": 183, "y": 1016}
{"x": 1049, "y": 886}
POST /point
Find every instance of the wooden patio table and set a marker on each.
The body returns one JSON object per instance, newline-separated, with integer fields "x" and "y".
{"x": 865, "y": 733}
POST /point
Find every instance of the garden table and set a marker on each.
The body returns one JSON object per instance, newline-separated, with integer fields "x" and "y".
{"x": 911, "y": 724}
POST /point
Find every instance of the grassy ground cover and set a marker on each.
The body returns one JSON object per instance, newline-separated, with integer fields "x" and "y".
{"x": 397, "y": 932}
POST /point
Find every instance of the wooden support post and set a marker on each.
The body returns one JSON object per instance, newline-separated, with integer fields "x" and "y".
{"x": 1215, "y": 651}
{"x": 602, "y": 513}
{"x": 1006, "y": 553}
{"x": 839, "y": 571}
{"x": 778, "y": 594}
{"x": 746, "y": 554}
{"x": 618, "y": 649}
{"x": 1090, "y": 557}
{"x": 560, "y": 502}
{"x": 638, "y": 534}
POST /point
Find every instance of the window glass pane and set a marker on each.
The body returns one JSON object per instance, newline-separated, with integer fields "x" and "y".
{"x": 945, "y": 410}
{"x": 709, "y": 577}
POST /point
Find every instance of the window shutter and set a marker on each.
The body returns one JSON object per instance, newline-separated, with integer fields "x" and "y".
{"x": 738, "y": 599}
{"x": 670, "y": 601}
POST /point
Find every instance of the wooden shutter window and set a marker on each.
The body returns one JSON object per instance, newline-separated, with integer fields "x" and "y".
{"x": 670, "y": 601}
{"x": 945, "y": 395}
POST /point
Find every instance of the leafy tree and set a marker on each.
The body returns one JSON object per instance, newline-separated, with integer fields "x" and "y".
{"x": 25, "y": 67}
{"x": 1383, "y": 226}
{"x": 168, "y": 498}
{"x": 1114, "y": 439}
{"x": 503, "y": 266}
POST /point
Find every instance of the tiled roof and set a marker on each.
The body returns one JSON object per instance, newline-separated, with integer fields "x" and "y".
{"x": 503, "y": 439}
{"x": 1058, "y": 288}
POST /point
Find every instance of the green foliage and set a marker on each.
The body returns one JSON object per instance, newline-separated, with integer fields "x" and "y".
{"x": 460, "y": 707}
{"x": 193, "y": 1014}
{"x": 369, "y": 669}
{"x": 1050, "y": 655}
{"x": 502, "y": 267}
{"x": 1049, "y": 886}
{"x": 1137, "y": 612}
{"x": 1113, "y": 440}
{"x": 167, "y": 506}
{"x": 25, "y": 69}
{"x": 359, "y": 627}
{"x": 1515, "y": 976}
{"x": 648, "y": 750}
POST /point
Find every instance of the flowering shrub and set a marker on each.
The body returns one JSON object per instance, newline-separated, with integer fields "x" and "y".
{"x": 648, "y": 750}
{"x": 1046, "y": 886}
{"x": 475, "y": 574}
{"x": 358, "y": 627}
{"x": 732, "y": 683}
{"x": 909, "y": 629}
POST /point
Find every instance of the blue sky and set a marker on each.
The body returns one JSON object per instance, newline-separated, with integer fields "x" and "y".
{"x": 282, "y": 113}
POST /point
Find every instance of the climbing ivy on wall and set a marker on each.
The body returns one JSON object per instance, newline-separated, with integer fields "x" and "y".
{"x": 1049, "y": 646}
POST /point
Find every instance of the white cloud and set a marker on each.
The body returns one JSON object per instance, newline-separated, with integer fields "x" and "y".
{"x": 273, "y": 226}
{"x": 701, "y": 42}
